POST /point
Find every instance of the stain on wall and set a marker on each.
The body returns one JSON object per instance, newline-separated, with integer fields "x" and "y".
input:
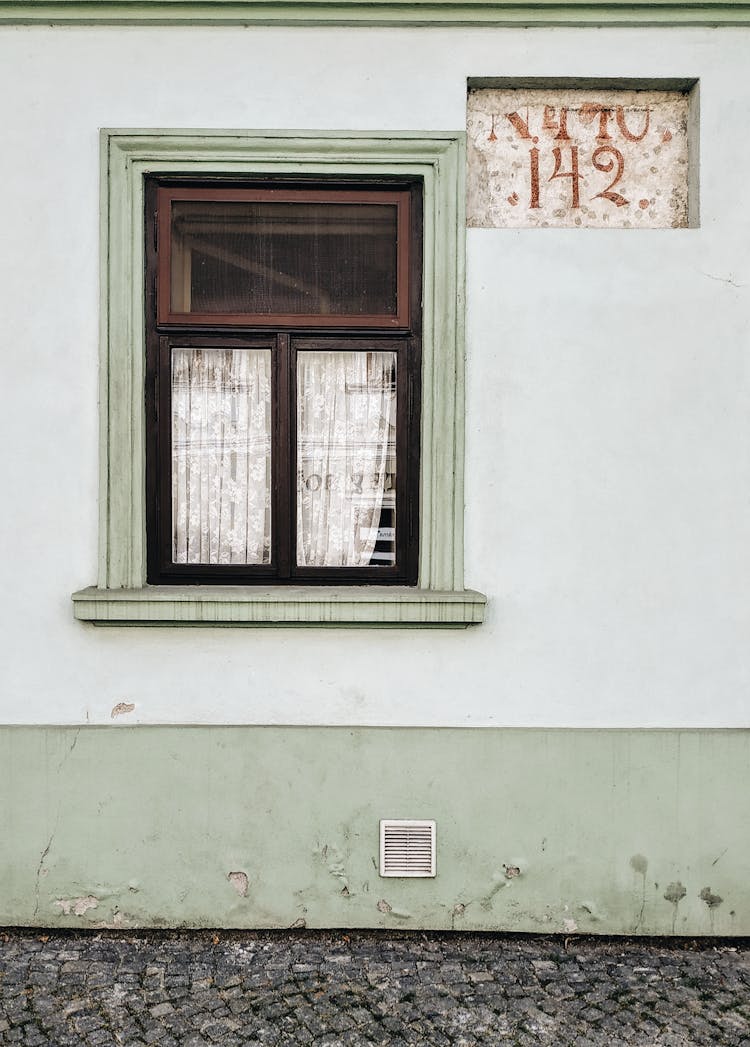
{"x": 711, "y": 899}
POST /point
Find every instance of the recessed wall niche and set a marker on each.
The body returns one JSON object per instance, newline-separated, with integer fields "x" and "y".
{"x": 577, "y": 153}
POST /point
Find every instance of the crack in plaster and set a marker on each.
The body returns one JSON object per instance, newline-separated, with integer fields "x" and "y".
{"x": 39, "y": 868}
{"x": 68, "y": 754}
{"x": 724, "y": 280}
{"x": 639, "y": 864}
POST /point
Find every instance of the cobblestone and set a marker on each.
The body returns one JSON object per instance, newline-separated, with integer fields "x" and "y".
{"x": 366, "y": 989}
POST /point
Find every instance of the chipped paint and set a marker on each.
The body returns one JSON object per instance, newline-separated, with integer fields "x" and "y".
{"x": 556, "y": 157}
{"x": 121, "y": 709}
{"x": 333, "y": 859}
{"x": 118, "y": 921}
{"x": 457, "y": 913}
{"x": 77, "y": 906}
{"x": 389, "y": 910}
{"x": 240, "y": 882}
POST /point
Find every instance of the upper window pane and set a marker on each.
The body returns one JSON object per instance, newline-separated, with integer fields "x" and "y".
{"x": 262, "y": 256}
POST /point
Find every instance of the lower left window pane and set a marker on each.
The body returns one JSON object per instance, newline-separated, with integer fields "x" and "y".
{"x": 221, "y": 456}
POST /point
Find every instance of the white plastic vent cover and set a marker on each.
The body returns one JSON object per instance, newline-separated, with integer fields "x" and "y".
{"x": 407, "y": 847}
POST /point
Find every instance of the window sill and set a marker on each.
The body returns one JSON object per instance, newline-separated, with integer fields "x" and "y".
{"x": 280, "y": 606}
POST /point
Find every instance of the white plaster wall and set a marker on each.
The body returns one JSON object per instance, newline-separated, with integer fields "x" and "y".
{"x": 608, "y": 400}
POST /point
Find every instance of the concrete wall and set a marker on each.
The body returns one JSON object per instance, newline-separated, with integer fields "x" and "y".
{"x": 624, "y": 832}
{"x": 607, "y": 461}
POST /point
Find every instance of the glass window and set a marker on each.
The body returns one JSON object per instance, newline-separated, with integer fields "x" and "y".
{"x": 270, "y": 256}
{"x": 346, "y": 459}
{"x": 284, "y": 339}
{"x": 221, "y": 456}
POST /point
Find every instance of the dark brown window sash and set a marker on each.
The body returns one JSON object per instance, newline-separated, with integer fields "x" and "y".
{"x": 294, "y": 335}
{"x": 166, "y": 195}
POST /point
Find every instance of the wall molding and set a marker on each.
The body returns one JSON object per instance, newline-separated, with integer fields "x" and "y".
{"x": 126, "y": 157}
{"x": 431, "y": 13}
{"x": 374, "y": 605}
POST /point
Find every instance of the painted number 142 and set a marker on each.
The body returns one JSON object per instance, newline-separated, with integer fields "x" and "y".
{"x": 605, "y": 158}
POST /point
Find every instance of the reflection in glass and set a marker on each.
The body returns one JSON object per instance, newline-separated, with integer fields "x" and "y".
{"x": 346, "y": 459}
{"x": 221, "y": 456}
{"x": 284, "y": 258}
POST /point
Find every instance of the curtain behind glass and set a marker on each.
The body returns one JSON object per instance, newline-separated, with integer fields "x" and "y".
{"x": 221, "y": 456}
{"x": 346, "y": 454}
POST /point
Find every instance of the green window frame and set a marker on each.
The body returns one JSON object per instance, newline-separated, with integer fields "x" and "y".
{"x": 122, "y": 595}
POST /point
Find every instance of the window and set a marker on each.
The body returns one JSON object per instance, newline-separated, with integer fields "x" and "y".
{"x": 283, "y": 323}
{"x": 132, "y": 160}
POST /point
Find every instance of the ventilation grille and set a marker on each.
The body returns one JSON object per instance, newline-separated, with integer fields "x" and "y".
{"x": 407, "y": 848}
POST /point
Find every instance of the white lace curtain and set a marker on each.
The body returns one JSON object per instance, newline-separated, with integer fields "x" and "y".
{"x": 346, "y": 452}
{"x": 221, "y": 456}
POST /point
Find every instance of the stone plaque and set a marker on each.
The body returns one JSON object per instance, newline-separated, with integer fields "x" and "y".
{"x": 603, "y": 158}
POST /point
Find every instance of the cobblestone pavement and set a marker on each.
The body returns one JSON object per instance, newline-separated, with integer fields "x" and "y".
{"x": 361, "y": 988}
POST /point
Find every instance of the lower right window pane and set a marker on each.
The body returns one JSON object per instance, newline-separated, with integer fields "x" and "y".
{"x": 346, "y": 459}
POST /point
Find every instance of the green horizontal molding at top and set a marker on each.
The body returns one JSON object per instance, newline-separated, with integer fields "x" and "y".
{"x": 375, "y": 12}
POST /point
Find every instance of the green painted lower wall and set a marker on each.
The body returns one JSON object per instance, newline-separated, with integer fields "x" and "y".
{"x": 603, "y": 831}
